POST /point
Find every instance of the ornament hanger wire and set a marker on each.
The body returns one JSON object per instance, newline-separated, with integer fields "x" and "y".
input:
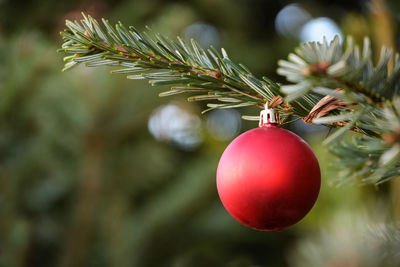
{"x": 268, "y": 116}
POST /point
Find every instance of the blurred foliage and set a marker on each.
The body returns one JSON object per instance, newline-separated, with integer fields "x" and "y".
{"x": 355, "y": 243}
{"x": 82, "y": 181}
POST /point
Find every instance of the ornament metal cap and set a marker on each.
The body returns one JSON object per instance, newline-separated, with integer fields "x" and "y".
{"x": 268, "y": 117}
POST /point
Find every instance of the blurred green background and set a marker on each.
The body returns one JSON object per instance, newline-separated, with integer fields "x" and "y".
{"x": 96, "y": 170}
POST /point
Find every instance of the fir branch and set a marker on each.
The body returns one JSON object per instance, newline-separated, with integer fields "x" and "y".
{"x": 332, "y": 84}
{"x": 187, "y": 68}
{"x": 178, "y": 64}
{"x": 332, "y": 66}
{"x": 368, "y": 159}
{"x": 356, "y": 95}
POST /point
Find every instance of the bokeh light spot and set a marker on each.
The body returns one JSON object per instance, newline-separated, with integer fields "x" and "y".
{"x": 174, "y": 124}
{"x": 316, "y": 29}
{"x": 290, "y": 19}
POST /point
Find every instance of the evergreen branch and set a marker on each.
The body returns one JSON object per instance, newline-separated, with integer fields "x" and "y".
{"x": 178, "y": 64}
{"x": 334, "y": 85}
{"x": 354, "y": 94}
{"x": 322, "y": 68}
{"x": 186, "y": 68}
{"x": 372, "y": 160}
{"x": 335, "y": 66}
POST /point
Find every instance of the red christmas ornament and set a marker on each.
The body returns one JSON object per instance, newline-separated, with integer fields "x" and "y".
{"x": 268, "y": 178}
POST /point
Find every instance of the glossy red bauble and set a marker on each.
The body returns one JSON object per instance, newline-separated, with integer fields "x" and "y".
{"x": 268, "y": 178}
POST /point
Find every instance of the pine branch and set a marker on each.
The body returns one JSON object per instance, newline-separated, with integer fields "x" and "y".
{"x": 357, "y": 96}
{"x": 322, "y": 68}
{"x": 186, "y": 68}
{"x": 332, "y": 85}
{"x": 372, "y": 160}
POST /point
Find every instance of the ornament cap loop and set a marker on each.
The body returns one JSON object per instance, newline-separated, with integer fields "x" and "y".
{"x": 268, "y": 117}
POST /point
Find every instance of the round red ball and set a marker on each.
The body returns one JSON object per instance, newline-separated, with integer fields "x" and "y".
{"x": 268, "y": 178}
